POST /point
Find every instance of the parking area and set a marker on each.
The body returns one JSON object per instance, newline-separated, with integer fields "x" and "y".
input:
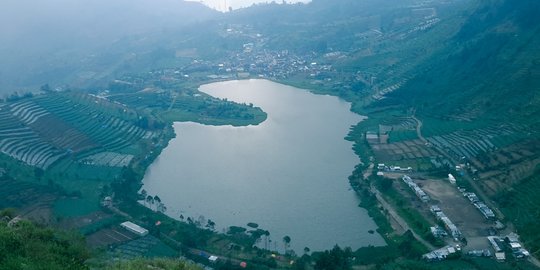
{"x": 473, "y": 225}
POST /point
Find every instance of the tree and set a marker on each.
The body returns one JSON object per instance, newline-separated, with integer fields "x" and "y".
{"x": 28, "y": 246}
{"x": 211, "y": 224}
{"x": 161, "y": 207}
{"x": 144, "y": 195}
{"x": 8, "y": 213}
{"x": 150, "y": 199}
{"x": 157, "y": 200}
{"x": 287, "y": 242}
{"x": 306, "y": 250}
{"x": 266, "y": 236}
{"x": 335, "y": 259}
{"x": 385, "y": 184}
{"x": 45, "y": 88}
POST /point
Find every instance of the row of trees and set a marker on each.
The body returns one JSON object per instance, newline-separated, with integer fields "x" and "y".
{"x": 153, "y": 201}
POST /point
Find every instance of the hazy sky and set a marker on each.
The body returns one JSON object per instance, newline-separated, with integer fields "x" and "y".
{"x": 221, "y": 4}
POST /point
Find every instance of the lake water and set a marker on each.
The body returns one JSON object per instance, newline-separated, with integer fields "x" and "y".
{"x": 288, "y": 174}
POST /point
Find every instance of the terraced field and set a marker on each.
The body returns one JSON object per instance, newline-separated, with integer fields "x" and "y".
{"x": 109, "y": 236}
{"x": 40, "y": 131}
{"x": 470, "y": 143}
{"x": 21, "y": 142}
{"x": 148, "y": 246}
{"x": 110, "y": 132}
{"x": 33, "y": 201}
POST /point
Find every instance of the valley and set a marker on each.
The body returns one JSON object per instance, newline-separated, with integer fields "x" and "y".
{"x": 448, "y": 88}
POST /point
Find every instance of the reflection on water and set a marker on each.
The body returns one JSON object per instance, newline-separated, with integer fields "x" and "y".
{"x": 288, "y": 174}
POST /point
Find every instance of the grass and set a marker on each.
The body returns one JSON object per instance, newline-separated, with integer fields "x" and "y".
{"x": 161, "y": 263}
{"x": 105, "y": 125}
{"x": 520, "y": 205}
{"x": 464, "y": 263}
{"x": 75, "y": 207}
{"x": 507, "y": 140}
{"x": 402, "y": 135}
{"x": 414, "y": 219}
{"x": 96, "y": 226}
{"x": 434, "y": 127}
{"x": 176, "y": 115}
{"x": 187, "y": 104}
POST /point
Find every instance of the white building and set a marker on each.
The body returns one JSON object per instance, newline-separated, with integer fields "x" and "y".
{"x": 134, "y": 228}
{"x": 452, "y": 179}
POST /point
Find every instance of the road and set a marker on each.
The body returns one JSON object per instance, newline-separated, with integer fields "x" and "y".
{"x": 402, "y": 223}
{"x": 419, "y": 129}
{"x": 469, "y": 179}
{"x": 475, "y": 186}
{"x": 392, "y": 212}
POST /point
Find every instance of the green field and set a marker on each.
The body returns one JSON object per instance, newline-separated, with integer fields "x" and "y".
{"x": 521, "y": 207}
{"x": 402, "y": 135}
{"x": 433, "y": 126}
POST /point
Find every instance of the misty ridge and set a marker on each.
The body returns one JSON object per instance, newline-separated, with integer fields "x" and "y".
{"x": 44, "y": 40}
{"x": 82, "y": 43}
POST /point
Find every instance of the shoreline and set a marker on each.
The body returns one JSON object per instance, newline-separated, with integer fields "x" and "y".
{"x": 360, "y": 117}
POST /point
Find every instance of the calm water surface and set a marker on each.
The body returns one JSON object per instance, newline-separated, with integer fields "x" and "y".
{"x": 288, "y": 174}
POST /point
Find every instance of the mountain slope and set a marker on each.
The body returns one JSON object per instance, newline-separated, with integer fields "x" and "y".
{"x": 50, "y": 41}
{"x": 490, "y": 70}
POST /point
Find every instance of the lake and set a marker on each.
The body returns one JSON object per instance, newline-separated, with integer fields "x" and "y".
{"x": 288, "y": 174}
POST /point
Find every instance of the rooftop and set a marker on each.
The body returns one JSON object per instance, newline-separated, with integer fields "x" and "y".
{"x": 134, "y": 227}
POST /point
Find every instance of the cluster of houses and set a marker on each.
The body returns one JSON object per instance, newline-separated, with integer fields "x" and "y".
{"x": 441, "y": 254}
{"x": 417, "y": 190}
{"x": 481, "y": 206}
{"x": 448, "y": 224}
{"x": 383, "y": 167}
{"x": 509, "y": 243}
{"x": 480, "y": 253}
{"x": 515, "y": 246}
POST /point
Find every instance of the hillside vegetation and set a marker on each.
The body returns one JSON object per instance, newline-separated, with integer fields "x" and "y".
{"x": 488, "y": 72}
{"x": 443, "y": 83}
{"x": 24, "y": 245}
{"x": 479, "y": 100}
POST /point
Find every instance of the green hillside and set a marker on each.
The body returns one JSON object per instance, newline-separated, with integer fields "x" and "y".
{"x": 489, "y": 71}
{"x": 24, "y": 245}
{"x": 479, "y": 101}
{"x": 443, "y": 83}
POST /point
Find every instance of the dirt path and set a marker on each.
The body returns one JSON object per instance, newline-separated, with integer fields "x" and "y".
{"x": 419, "y": 129}
{"x": 402, "y": 223}
{"x": 392, "y": 212}
{"x": 173, "y": 101}
{"x": 469, "y": 179}
{"x": 473, "y": 183}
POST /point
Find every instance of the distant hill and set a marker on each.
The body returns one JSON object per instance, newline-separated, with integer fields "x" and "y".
{"x": 51, "y": 41}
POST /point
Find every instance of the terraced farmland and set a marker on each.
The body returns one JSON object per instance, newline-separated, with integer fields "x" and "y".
{"x": 19, "y": 194}
{"x": 41, "y": 130}
{"x": 148, "y": 246}
{"x": 109, "y": 132}
{"x": 21, "y": 142}
{"x": 32, "y": 200}
{"x": 108, "y": 159}
{"x": 471, "y": 143}
{"x": 109, "y": 236}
